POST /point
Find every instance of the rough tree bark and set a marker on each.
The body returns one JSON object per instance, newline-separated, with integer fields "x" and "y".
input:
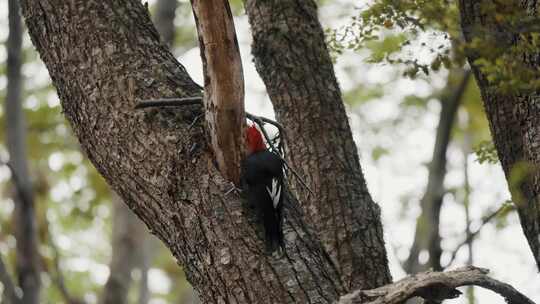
{"x": 159, "y": 163}
{"x": 514, "y": 118}
{"x": 427, "y": 236}
{"x": 27, "y": 267}
{"x": 293, "y": 61}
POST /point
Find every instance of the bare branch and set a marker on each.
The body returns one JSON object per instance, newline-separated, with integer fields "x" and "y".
{"x": 223, "y": 84}
{"x": 435, "y": 286}
{"x": 471, "y": 236}
{"x": 169, "y": 102}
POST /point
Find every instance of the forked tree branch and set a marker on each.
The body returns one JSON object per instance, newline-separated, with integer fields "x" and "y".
{"x": 435, "y": 286}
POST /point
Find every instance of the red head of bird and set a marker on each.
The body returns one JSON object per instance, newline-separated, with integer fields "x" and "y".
{"x": 254, "y": 140}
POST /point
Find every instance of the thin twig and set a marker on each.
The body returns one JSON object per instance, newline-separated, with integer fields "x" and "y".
{"x": 473, "y": 235}
{"x": 169, "y": 102}
{"x": 435, "y": 286}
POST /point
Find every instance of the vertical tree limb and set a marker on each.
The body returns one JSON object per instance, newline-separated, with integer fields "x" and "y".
{"x": 292, "y": 58}
{"x": 28, "y": 268}
{"x": 427, "y": 236}
{"x": 514, "y": 117}
{"x": 223, "y": 84}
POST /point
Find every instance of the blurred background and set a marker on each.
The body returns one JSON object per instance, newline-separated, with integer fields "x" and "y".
{"x": 414, "y": 111}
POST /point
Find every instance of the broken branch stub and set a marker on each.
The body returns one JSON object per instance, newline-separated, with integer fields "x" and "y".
{"x": 223, "y": 84}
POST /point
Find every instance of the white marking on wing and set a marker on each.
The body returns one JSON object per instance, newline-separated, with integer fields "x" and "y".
{"x": 275, "y": 192}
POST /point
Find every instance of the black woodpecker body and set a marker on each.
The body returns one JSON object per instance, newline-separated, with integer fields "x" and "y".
{"x": 263, "y": 176}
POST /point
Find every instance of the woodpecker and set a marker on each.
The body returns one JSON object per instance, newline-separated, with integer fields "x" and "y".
{"x": 263, "y": 175}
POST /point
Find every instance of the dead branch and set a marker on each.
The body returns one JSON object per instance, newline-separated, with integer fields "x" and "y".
{"x": 435, "y": 286}
{"x": 223, "y": 84}
{"x": 169, "y": 102}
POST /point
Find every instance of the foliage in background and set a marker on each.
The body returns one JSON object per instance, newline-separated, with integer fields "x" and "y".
{"x": 486, "y": 153}
{"x": 414, "y": 36}
{"x": 395, "y": 30}
{"x": 420, "y": 40}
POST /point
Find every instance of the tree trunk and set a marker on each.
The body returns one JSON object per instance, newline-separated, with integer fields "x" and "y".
{"x": 28, "y": 268}
{"x": 293, "y": 61}
{"x": 102, "y": 57}
{"x": 514, "y": 118}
